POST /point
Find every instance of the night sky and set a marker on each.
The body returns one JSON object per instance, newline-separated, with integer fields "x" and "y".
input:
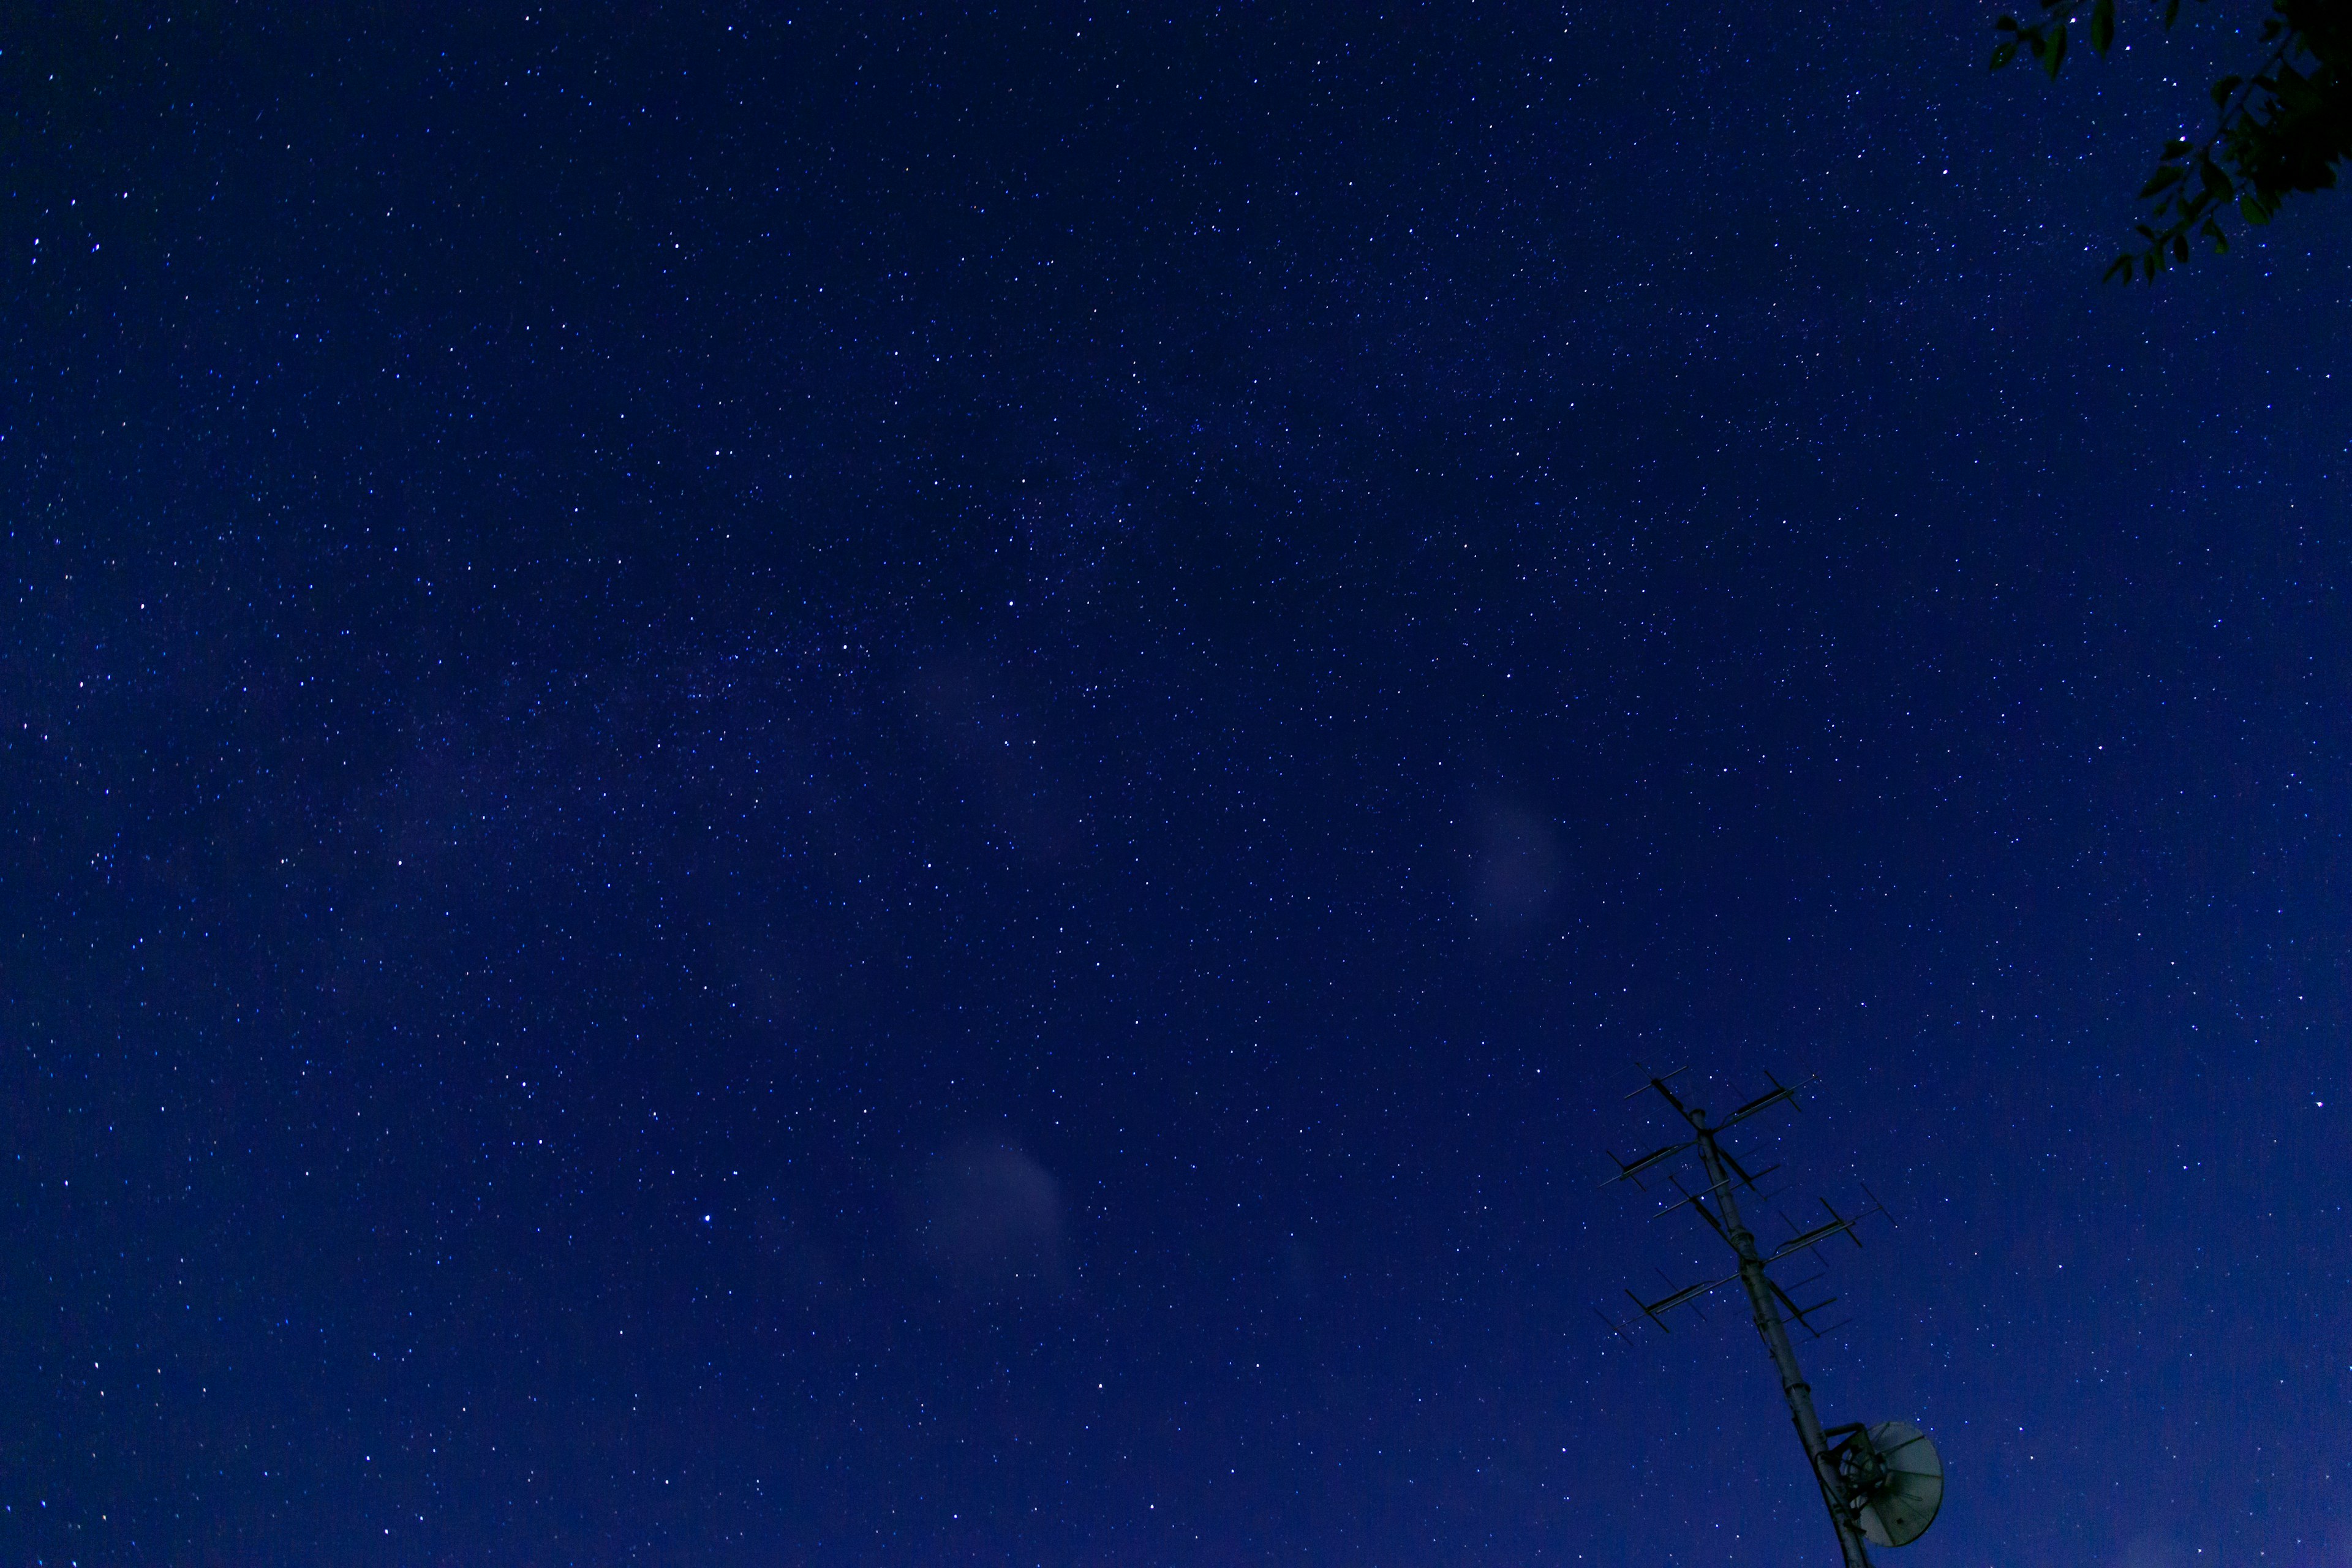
{"x": 831, "y": 787}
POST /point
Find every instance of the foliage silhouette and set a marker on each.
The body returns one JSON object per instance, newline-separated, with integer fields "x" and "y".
{"x": 2280, "y": 130}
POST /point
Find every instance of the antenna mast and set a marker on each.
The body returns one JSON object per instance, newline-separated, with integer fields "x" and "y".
{"x": 1849, "y": 1482}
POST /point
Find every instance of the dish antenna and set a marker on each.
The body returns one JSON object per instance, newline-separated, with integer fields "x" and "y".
{"x": 1894, "y": 1480}
{"x": 1883, "y": 1484}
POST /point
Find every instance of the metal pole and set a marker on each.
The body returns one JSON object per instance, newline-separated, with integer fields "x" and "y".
{"x": 1784, "y": 1355}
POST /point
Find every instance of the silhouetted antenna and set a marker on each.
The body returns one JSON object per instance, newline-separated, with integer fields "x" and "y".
{"x": 1882, "y": 1484}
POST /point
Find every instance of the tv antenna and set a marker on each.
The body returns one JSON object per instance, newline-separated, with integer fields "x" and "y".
{"x": 1882, "y": 1484}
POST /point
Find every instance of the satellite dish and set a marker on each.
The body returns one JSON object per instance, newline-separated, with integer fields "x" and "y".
{"x": 1895, "y": 1480}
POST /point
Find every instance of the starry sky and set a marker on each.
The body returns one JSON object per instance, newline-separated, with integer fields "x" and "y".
{"x": 792, "y": 786}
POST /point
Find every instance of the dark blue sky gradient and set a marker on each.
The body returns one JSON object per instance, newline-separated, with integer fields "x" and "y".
{"x": 844, "y": 788}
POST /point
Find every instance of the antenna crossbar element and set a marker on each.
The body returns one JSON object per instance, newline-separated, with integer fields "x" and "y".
{"x": 1654, "y": 1081}
{"x": 1740, "y": 1171}
{"x": 1655, "y": 1311}
{"x": 1803, "y": 1314}
{"x": 1671, "y": 1098}
{"x": 1783, "y": 1094}
{"x": 1839, "y": 1225}
{"x": 1612, "y": 1325}
{"x": 1632, "y": 1172}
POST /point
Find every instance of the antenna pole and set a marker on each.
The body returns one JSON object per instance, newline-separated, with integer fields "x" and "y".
{"x": 1775, "y": 1334}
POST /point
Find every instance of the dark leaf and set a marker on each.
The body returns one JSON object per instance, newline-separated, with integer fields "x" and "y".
{"x": 2170, "y": 174}
{"x": 2005, "y": 25}
{"x": 2212, "y": 231}
{"x": 2103, "y": 25}
{"x": 2179, "y": 247}
{"x": 2002, "y": 54}
{"x": 2055, "y": 56}
{"x": 2251, "y": 209}
{"x": 2222, "y": 91}
{"x": 2171, "y": 10}
{"x": 2176, "y": 148}
{"x": 2119, "y": 267}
